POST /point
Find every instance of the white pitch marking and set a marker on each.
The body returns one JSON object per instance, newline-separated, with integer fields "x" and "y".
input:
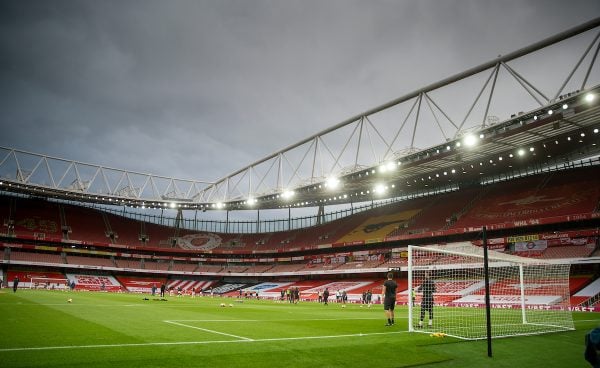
{"x": 207, "y": 330}
{"x": 197, "y": 342}
{"x": 273, "y": 320}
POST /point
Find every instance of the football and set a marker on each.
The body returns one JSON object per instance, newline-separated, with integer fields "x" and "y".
{"x": 69, "y": 300}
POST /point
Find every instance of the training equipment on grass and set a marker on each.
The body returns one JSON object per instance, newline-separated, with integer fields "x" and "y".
{"x": 526, "y": 296}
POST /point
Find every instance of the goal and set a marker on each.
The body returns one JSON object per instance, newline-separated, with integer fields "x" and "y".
{"x": 48, "y": 283}
{"x": 526, "y": 296}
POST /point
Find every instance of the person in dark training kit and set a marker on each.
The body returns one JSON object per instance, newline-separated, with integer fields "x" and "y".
{"x": 325, "y": 296}
{"x": 389, "y": 298}
{"x": 15, "y": 284}
{"x": 427, "y": 288}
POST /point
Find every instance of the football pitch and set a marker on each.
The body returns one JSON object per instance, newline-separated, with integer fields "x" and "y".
{"x": 41, "y": 329}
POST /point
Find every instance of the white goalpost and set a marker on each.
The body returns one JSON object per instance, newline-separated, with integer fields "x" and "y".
{"x": 526, "y": 296}
{"x": 48, "y": 283}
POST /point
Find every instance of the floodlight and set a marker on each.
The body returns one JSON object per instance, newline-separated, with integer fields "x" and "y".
{"x": 379, "y": 189}
{"x": 172, "y": 204}
{"x": 387, "y": 166}
{"x": 565, "y": 106}
{"x": 521, "y": 152}
{"x": 590, "y": 97}
{"x": 470, "y": 140}
{"x": 332, "y": 183}
{"x": 288, "y": 194}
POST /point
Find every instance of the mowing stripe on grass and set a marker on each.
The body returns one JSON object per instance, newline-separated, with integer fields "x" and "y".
{"x": 197, "y": 342}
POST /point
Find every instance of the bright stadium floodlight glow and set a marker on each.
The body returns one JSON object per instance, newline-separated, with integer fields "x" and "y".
{"x": 287, "y": 194}
{"x": 219, "y": 205}
{"x": 470, "y": 140}
{"x": 521, "y": 152}
{"x": 531, "y": 149}
{"x": 387, "y": 167}
{"x": 565, "y": 106}
{"x": 595, "y": 132}
{"x": 590, "y": 97}
{"x": 379, "y": 189}
{"x": 332, "y": 183}
{"x": 172, "y": 204}
{"x": 251, "y": 201}
{"x": 550, "y": 112}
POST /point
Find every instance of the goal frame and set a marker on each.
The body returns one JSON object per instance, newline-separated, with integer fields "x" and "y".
{"x": 499, "y": 260}
{"x": 49, "y": 280}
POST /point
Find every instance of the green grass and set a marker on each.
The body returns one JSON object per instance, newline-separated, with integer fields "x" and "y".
{"x": 40, "y": 329}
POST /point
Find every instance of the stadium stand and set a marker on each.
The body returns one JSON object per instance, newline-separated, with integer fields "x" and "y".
{"x": 538, "y": 196}
{"x": 37, "y": 218}
{"x": 86, "y": 224}
{"x": 35, "y": 257}
{"x": 89, "y": 261}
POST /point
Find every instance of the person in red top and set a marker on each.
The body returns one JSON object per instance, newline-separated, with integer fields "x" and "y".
{"x": 389, "y": 298}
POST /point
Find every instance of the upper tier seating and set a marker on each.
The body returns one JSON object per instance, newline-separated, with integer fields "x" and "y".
{"x": 538, "y": 196}
{"x": 35, "y": 257}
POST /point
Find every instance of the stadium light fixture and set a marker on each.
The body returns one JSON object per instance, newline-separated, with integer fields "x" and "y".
{"x": 550, "y": 112}
{"x": 379, "y": 188}
{"x": 387, "y": 167}
{"x": 595, "y": 132}
{"x": 172, "y": 204}
{"x": 590, "y": 97}
{"x": 251, "y": 201}
{"x": 287, "y": 194}
{"x": 470, "y": 140}
{"x": 332, "y": 183}
{"x": 565, "y": 106}
{"x": 219, "y": 205}
{"x": 521, "y": 152}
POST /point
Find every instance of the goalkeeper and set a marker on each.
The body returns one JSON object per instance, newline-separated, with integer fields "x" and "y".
{"x": 427, "y": 288}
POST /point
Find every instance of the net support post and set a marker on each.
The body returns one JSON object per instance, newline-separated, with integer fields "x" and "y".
{"x": 486, "y": 274}
{"x": 522, "y": 285}
{"x": 410, "y": 288}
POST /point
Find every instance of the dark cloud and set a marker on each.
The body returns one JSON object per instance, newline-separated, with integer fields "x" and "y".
{"x": 199, "y": 89}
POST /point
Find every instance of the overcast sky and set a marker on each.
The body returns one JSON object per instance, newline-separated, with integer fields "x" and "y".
{"x": 199, "y": 89}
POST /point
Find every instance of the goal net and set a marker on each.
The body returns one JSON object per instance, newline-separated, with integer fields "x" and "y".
{"x": 48, "y": 283}
{"x": 447, "y": 283}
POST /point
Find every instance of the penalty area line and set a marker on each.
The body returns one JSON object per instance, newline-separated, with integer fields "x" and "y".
{"x": 181, "y": 343}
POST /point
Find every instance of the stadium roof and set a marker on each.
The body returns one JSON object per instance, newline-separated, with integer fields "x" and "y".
{"x": 561, "y": 128}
